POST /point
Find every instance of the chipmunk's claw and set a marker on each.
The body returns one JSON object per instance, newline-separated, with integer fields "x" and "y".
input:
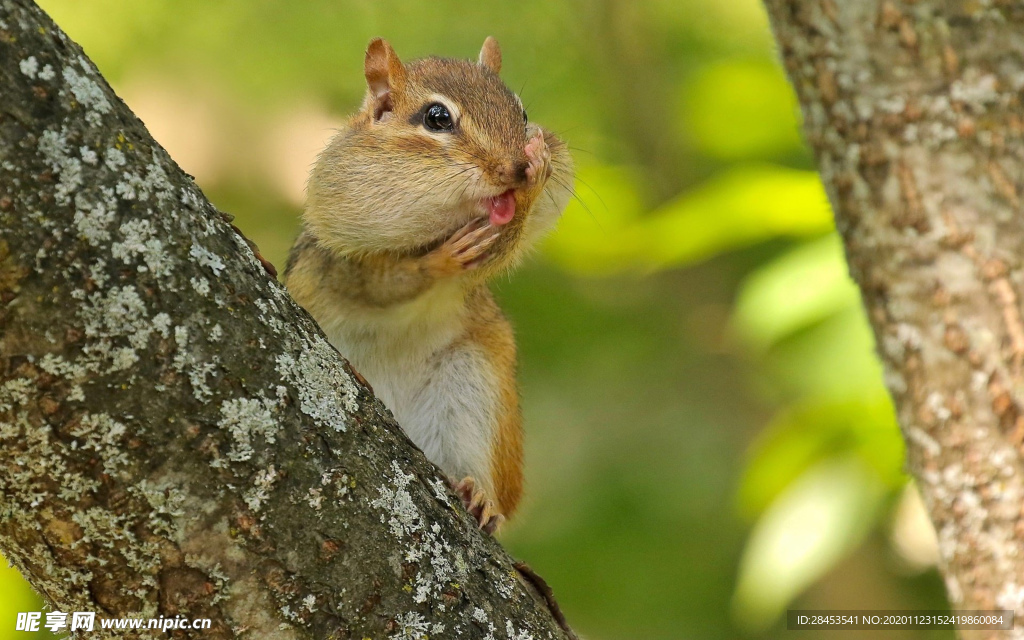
{"x": 468, "y": 247}
{"x": 478, "y": 505}
{"x": 538, "y": 155}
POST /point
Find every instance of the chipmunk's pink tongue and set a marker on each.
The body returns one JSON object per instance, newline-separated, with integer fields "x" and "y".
{"x": 502, "y": 208}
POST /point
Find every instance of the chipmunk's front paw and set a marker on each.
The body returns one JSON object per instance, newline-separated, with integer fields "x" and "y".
{"x": 478, "y": 506}
{"x": 467, "y": 248}
{"x": 538, "y": 155}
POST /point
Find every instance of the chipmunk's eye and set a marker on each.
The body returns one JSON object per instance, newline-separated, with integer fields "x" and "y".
{"x": 526, "y": 118}
{"x": 437, "y": 118}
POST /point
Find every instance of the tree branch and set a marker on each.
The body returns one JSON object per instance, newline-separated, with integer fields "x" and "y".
{"x": 912, "y": 109}
{"x": 176, "y": 435}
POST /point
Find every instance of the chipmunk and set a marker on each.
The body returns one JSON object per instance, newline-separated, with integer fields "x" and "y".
{"x": 437, "y": 184}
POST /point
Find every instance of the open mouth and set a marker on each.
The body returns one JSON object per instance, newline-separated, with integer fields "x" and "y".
{"x": 501, "y": 208}
{"x": 498, "y": 210}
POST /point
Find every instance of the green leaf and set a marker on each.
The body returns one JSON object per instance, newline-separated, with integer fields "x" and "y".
{"x": 606, "y": 233}
{"x": 833, "y": 359}
{"x": 815, "y": 523}
{"x": 795, "y": 291}
{"x": 803, "y": 435}
{"x": 738, "y": 110}
{"x": 740, "y": 207}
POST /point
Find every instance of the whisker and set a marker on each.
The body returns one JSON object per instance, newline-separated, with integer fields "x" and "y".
{"x": 466, "y": 182}
{"x": 577, "y": 197}
{"x": 443, "y": 183}
{"x": 594, "y": 191}
{"x": 581, "y": 150}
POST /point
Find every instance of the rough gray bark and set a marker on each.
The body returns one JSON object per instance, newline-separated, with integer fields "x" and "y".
{"x": 176, "y": 435}
{"x": 913, "y": 109}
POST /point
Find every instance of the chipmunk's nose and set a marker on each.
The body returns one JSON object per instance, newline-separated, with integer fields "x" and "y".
{"x": 514, "y": 173}
{"x": 521, "y": 171}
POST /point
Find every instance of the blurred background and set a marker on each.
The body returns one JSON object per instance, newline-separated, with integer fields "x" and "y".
{"x": 709, "y": 441}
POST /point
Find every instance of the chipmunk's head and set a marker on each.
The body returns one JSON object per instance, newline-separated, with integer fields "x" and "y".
{"x": 437, "y": 143}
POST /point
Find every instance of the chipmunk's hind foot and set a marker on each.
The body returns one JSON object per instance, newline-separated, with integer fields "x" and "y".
{"x": 478, "y": 505}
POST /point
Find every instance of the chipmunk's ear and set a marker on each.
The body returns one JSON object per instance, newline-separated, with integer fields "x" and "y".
{"x": 385, "y": 75}
{"x": 490, "y": 55}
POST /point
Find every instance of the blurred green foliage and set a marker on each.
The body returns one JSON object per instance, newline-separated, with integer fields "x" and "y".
{"x": 740, "y": 206}
{"x": 745, "y": 95}
{"x": 709, "y": 440}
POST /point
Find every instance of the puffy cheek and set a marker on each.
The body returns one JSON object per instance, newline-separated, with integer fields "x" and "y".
{"x": 448, "y": 196}
{"x": 355, "y": 207}
{"x": 426, "y": 205}
{"x": 387, "y": 200}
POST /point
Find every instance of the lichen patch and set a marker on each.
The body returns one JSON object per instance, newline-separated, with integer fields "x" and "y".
{"x": 439, "y": 564}
{"x": 326, "y": 392}
{"x": 87, "y": 92}
{"x": 140, "y": 244}
{"x": 244, "y": 419}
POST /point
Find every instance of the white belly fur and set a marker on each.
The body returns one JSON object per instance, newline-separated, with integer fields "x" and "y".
{"x": 444, "y": 395}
